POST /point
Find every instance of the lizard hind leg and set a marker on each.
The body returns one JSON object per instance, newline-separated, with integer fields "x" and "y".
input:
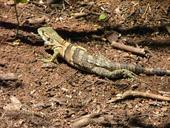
{"x": 124, "y": 73}
{"x": 116, "y": 74}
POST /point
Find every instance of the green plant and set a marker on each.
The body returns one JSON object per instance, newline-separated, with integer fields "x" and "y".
{"x": 16, "y": 12}
{"x": 103, "y": 16}
{"x": 20, "y": 1}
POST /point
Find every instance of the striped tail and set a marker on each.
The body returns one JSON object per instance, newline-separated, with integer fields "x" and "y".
{"x": 158, "y": 72}
{"x": 147, "y": 71}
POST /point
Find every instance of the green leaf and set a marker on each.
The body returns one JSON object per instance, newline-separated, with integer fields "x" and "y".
{"x": 20, "y": 1}
{"x": 102, "y": 16}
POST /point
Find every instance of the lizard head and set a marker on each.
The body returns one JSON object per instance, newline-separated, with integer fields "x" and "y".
{"x": 51, "y": 37}
{"x": 46, "y": 34}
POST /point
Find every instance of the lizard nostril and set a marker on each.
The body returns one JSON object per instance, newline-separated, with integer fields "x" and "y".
{"x": 48, "y": 39}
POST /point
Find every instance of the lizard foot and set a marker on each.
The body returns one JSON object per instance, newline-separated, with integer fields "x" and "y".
{"x": 123, "y": 73}
{"x": 48, "y": 60}
{"x": 51, "y": 58}
{"x": 128, "y": 74}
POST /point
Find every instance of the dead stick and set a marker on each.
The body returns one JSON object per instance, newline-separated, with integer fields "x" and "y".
{"x": 85, "y": 120}
{"x": 8, "y": 76}
{"x": 150, "y": 41}
{"x": 134, "y": 50}
{"x": 138, "y": 94}
{"x": 38, "y": 20}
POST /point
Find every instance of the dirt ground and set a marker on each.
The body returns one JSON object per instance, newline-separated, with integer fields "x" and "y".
{"x": 56, "y": 94}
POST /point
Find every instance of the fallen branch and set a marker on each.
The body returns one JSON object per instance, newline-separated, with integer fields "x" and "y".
{"x": 8, "y": 76}
{"x": 131, "y": 93}
{"x": 36, "y": 20}
{"x": 85, "y": 120}
{"x": 150, "y": 42}
{"x": 131, "y": 49}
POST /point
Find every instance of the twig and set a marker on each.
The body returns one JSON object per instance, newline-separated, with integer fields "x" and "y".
{"x": 147, "y": 7}
{"x": 8, "y": 76}
{"x": 150, "y": 42}
{"x": 131, "y": 93}
{"x": 165, "y": 93}
{"x": 38, "y": 20}
{"x": 134, "y": 50}
{"x": 85, "y": 120}
{"x": 79, "y": 14}
{"x": 17, "y": 16}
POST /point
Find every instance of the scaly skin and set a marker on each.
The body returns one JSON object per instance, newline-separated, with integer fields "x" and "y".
{"x": 79, "y": 57}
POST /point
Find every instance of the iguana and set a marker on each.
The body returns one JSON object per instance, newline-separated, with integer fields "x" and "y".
{"x": 78, "y": 57}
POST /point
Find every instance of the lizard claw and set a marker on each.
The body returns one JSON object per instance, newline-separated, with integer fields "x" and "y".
{"x": 48, "y": 60}
{"x": 128, "y": 74}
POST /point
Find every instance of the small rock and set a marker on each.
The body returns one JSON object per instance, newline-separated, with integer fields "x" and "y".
{"x": 15, "y": 104}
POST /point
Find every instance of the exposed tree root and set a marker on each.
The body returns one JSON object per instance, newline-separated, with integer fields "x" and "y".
{"x": 131, "y": 93}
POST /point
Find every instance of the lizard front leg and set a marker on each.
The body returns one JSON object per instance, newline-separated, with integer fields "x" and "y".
{"x": 53, "y": 57}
